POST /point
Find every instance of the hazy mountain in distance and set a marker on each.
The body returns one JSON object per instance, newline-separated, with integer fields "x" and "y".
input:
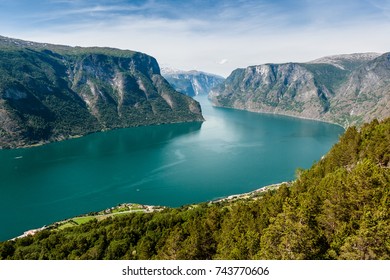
{"x": 191, "y": 83}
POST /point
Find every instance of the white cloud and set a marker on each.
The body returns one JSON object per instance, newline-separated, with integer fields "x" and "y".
{"x": 223, "y": 61}
{"x": 194, "y": 42}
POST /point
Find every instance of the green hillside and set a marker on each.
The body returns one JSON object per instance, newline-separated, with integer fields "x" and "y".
{"x": 338, "y": 209}
{"x": 50, "y": 93}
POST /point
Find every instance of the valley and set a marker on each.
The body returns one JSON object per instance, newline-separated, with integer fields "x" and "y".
{"x": 231, "y": 152}
{"x": 211, "y": 151}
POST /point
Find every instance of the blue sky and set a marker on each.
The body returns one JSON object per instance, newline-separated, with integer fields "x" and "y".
{"x": 212, "y": 36}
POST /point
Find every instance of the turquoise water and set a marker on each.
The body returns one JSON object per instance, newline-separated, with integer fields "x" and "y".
{"x": 231, "y": 152}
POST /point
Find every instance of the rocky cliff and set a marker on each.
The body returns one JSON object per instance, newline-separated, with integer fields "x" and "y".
{"x": 343, "y": 89}
{"x": 50, "y": 92}
{"x": 193, "y": 82}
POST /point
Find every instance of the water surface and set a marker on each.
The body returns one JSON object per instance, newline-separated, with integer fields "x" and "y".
{"x": 231, "y": 152}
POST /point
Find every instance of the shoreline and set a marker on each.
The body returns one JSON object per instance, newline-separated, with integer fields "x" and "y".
{"x": 259, "y": 111}
{"x": 122, "y": 208}
{"x": 135, "y": 207}
{"x": 70, "y": 137}
{"x": 252, "y": 194}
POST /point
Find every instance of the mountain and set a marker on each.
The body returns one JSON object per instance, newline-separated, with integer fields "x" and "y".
{"x": 337, "y": 209}
{"x": 346, "y": 61}
{"x": 191, "y": 83}
{"x": 343, "y": 89}
{"x": 51, "y": 92}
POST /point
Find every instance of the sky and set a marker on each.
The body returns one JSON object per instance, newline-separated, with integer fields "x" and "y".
{"x": 211, "y": 36}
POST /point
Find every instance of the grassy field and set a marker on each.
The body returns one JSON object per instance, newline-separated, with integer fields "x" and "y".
{"x": 104, "y": 214}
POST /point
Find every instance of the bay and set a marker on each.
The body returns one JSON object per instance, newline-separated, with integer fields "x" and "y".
{"x": 172, "y": 165}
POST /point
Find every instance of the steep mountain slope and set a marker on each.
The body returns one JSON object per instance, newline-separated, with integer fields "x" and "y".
{"x": 344, "y": 89}
{"x": 50, "y": 93}
{"x": 366, "y": 93}
{"x": 193, "y": 82}
{"x": 338, "y": 209}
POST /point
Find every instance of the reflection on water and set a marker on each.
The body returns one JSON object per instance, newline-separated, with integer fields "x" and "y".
{"x": 231, "y": 152}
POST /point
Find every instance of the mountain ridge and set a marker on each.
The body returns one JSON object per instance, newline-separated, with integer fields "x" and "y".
{"x": 314, "y": 90}
{"x": 54, "y": 92}
{"x": 342, "y": 60}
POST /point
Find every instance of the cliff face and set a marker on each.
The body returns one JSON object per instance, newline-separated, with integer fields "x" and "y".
{"x": 50, "y": 93}
{"x": 344, "y": 89}
{"x": 191, "y": 83}
{"x": 366, "y": 93}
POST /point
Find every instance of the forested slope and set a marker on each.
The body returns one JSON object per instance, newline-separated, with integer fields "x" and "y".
{"x": 51, "y": 92}
{"x": 338, "y": 209}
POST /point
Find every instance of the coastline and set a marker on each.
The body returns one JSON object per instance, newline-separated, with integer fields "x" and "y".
{"x": 122, "y": 208}
{"x": 125, "y": 208}
{"x": 259, "y": 111}
{"x": 249, "y": 195}
{"x": 65, "y": 138}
